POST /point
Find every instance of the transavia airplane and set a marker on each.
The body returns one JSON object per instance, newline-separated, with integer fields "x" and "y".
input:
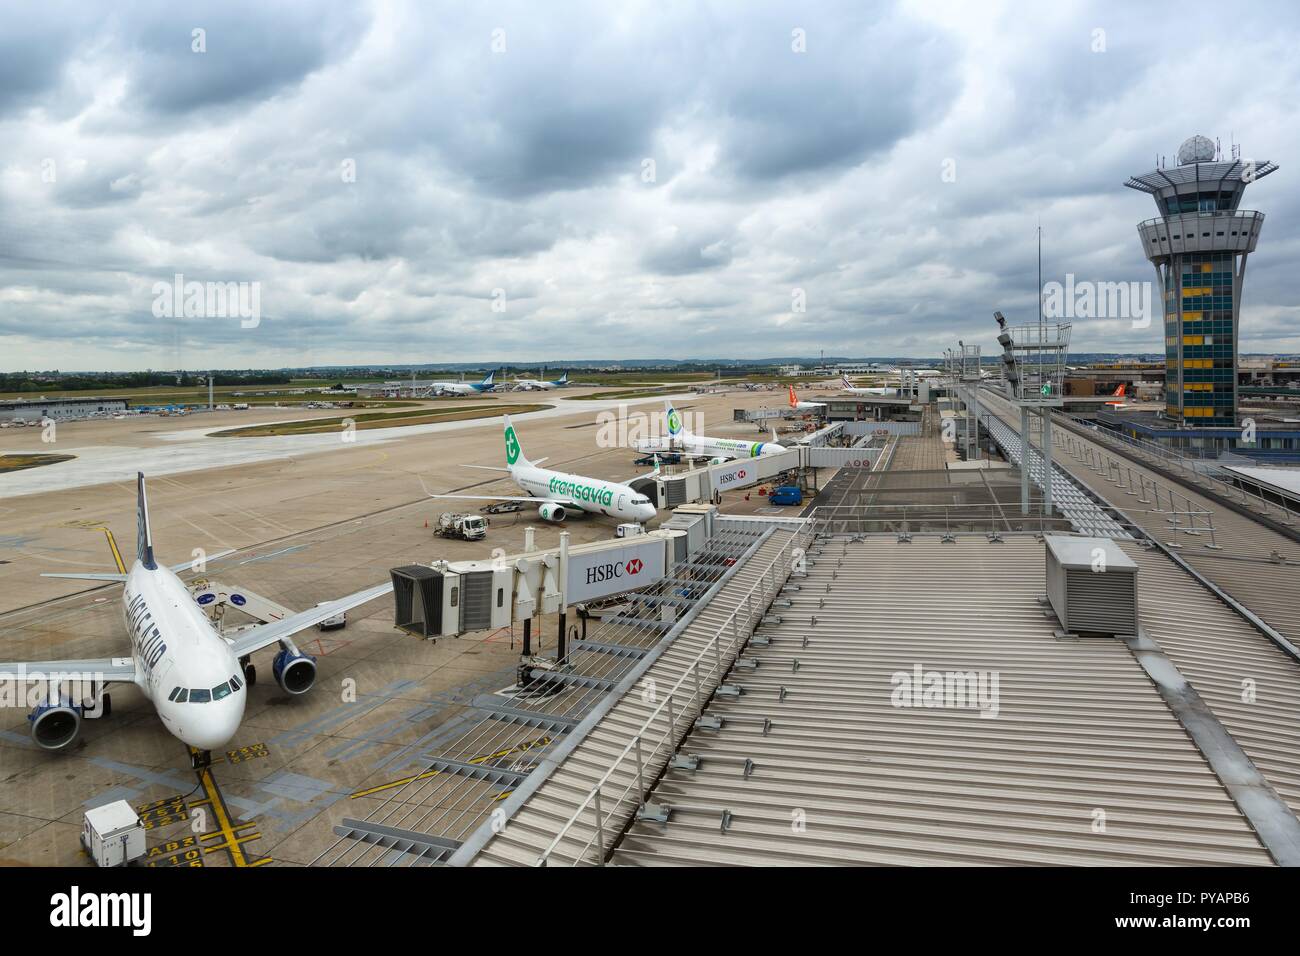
{"x": 852, "y": 389}
{"x": 680, "y": 440}
{"x": 464, "y": 388}
{"x": 557, "y": 493}
{"x": 530, "y": 384}
{"x": 195, "y": 678}
{"x": 799, "y": 406}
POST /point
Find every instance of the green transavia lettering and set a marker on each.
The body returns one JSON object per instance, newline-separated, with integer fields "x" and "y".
{"x": 580, "y": 492}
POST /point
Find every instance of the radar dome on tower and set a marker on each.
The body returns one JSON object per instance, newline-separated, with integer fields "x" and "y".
{"x": 1197, "y": 149}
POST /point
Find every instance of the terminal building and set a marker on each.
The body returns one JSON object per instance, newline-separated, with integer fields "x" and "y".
{"x": 1199, "y": 245}
{"x": 59, "y": 409}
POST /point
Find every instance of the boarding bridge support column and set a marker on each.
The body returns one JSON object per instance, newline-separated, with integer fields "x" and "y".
{"x": 1025, "y": 449}
{"x": 975, "y": 412}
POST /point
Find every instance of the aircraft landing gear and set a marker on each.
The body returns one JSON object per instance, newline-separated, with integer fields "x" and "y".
{"x": 200, "y": 759}
{"x": 250, "y": 671}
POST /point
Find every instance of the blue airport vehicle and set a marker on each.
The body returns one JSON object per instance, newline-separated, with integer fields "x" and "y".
{"x": 786, "y": 495}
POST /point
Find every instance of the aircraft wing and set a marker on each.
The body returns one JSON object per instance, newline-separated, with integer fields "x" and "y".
{"x": 189, "y": 565}
{"x": 85, "y": 576}
{"x": 263, "y": 635}
{"x": 107, "y": 670}
{"x": 526, "y": 499}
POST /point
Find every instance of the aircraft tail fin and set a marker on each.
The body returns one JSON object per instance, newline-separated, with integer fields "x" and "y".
{"x": 487, "y": 379}
{"x": 672, "y": 419}
{"x": 143, "y": 538}
{"x": 1119, "y": 391}
{"x": 563, "y": 379}
{"x": 794, "y": 402}
{"x": 514, "y": 451}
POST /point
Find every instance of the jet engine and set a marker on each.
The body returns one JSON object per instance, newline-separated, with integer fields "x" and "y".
{"x": 551, "y": 512}
{"x": 294, "y": 671}
{"x": 56, "y": 721}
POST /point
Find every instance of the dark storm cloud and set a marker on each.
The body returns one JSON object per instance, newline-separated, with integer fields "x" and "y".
{"x": 32, "y": 57}
{"x": 245, "y": 51}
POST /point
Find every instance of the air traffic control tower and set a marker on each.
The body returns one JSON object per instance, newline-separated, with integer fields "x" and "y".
{"x": 1199, "y": 245}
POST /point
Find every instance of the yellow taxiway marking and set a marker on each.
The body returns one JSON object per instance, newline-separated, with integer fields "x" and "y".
{"x": 117, "y": 555}
{"x": 481, "y": 758}
{"x": 230, "y": 832}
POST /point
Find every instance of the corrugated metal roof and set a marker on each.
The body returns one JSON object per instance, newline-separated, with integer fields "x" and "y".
{"x": 843, "y": 775}
{"x": 1252, "y": 686}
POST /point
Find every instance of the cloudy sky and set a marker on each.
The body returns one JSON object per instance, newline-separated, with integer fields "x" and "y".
{"x": 466, "y": 181}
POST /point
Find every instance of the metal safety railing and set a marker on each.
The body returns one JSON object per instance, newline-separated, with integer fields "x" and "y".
{"x": 678, "y": 705}
{"x": 1203, "y": 472}
{"x": 995, "y": 518}
{"x": 1195, "y": 520}
{"x": 943, "y": 518}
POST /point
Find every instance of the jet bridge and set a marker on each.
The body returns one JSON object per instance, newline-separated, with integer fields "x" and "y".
{"x": 451, "y": 598}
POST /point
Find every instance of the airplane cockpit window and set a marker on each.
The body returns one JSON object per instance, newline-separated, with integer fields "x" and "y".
{"x": 221, "y": 691}
{"x": 235, "y": 684}
{"x": 175, "y": 693}
{"x": 182, "y": 695}
{"x": 200, "y": 695}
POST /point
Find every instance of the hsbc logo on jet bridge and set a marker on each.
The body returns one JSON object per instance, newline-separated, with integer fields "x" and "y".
{"x": 732, "y": 476}
{"x": 609, "y": 571}
{"x": 613, "y": 569}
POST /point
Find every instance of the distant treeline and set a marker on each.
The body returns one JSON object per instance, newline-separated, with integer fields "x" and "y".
{"x": 55, "y": 382}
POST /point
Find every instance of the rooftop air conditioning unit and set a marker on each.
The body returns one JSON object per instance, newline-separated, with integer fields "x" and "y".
{"x": 1091, "y": 585}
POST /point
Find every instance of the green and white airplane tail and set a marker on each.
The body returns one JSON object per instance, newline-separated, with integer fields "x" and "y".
{"x": 673, "y": 419}
{"x": 514, "y": 451}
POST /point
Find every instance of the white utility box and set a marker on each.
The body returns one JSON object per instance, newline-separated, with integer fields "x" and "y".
{"x": 113, "y": 834}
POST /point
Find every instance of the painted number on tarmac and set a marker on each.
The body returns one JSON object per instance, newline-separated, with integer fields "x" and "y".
{"x": 163, "y": 812}
{"x": 182, "y": 852}
{"x": 244, "y": 754}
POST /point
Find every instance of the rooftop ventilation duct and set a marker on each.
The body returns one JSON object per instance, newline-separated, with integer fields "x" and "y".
{"x": 1091, "y": 585}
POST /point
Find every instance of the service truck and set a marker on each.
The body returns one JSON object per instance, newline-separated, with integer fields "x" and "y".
{"x": 463, "y": 526}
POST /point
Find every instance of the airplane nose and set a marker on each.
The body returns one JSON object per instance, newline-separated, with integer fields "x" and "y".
{"x": 645, "y": 512}
{"x": 217, "y": 727}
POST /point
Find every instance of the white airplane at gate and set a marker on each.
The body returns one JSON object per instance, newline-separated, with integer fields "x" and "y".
{"x": 679, "y": 439}
{"x": 852, "y": 389}
{"x": 196, "y": 679}
{"x": 557, "y": 493}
